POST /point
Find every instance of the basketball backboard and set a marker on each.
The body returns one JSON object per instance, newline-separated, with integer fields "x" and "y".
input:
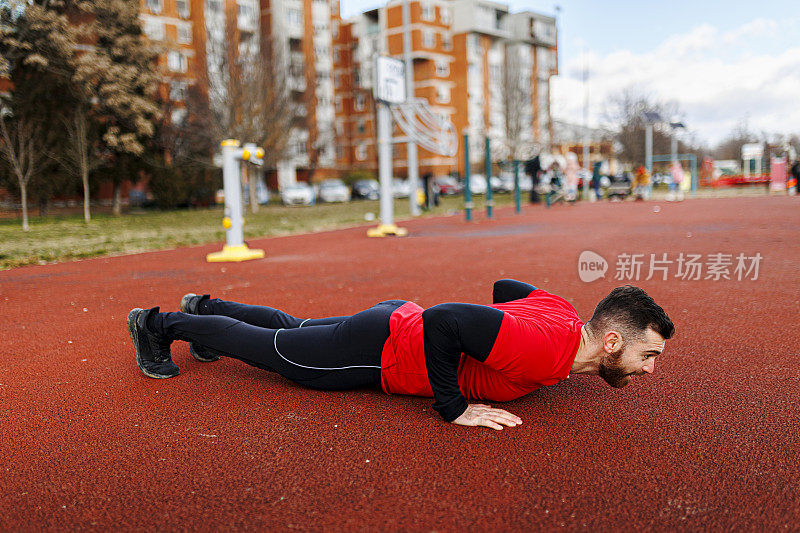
{"x": 390, "y": 81}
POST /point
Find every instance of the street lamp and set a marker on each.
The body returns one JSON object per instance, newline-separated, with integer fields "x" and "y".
{"x": 675, "y": 125}
{"x": 650, "y": 118}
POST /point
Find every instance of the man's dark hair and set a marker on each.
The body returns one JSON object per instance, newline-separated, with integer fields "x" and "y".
{"x": 633, "y": 311}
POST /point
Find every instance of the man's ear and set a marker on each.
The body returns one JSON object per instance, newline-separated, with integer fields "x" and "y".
{"x": 612, "y": 341}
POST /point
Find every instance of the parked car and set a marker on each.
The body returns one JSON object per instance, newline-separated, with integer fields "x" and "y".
{"x": 333, "y": 190}
{"x": 477, "y": 184}
{"x": 503, "y": 184}
{"x": 366, "y": 189}
{"x": 619, "y": 186}
{"x": 262, "y": 193}
{"x": 300, "y": 193}
{"x": 400, "y": 188}
{"x": 448, "y": 185}
{"x": 525, "y": 182}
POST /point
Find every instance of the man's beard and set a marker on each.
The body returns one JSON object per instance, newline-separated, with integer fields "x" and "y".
{"x": 611, "y": 370}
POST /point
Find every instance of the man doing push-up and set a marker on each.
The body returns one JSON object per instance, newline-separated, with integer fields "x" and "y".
{"x": 526, "y": 339}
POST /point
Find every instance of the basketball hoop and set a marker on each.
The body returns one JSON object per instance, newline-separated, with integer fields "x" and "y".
{"x": 417, "y": 120}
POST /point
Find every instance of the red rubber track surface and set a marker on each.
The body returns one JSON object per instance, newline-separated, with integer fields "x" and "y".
{"x": 709, "y": 442}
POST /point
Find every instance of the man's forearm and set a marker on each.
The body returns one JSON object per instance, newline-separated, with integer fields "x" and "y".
{"x": 450, "y": 330}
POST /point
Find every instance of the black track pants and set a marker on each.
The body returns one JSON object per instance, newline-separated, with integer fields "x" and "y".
{"x": 329, "y": 353}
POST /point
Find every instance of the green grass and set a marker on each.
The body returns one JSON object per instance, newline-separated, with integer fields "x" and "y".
{"x": 62, "y": 238}
{"x": 66, "y": 237}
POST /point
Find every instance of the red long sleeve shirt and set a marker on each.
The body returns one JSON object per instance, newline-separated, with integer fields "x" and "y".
{"x": 536, "y": 346}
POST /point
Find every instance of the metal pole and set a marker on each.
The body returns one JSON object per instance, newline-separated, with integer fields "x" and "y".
{"x": 231, "y": 180}
{"x": 467, "y": 191}
{"x": 411, "y": 147}
{"x": 674, "y": 148}
{"x": 488, "y": 165}
{"x": 694, "y": 174}
{"x": 585, "y": 127}
{"x": 648, "y": 148}
{"x": 385, "y": 163}
{"x": 516, "y": 185}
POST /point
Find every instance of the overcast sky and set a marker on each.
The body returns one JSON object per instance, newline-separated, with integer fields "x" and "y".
{"x": 722, "y": 62}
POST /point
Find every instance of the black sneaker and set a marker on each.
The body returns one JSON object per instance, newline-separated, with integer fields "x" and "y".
{"x": 189, "y": 305}
{"x": 190, "y": 302}
{"x": 152, "y": 351}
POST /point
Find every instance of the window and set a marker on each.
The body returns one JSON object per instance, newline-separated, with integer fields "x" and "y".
{"x": 444, "y": 15}
{"x": 183, "y": 8}
{"x": 496, "y": 73}
{"x": 294, "y": 17}
{"x": 178, "y": 116}
{"x": 176, "y": 61}
{"x": 447, "y": 42}
{"x": 474, "y": 43}
{"x": 339, "y": 151}
{"x": 321, "y": 51}
{"x": 442, "y": 69}
{"x": 339, "y": 105}
{"x": 335, "y": 55}
{"x": 359, "y": 102}
{"x": 177, "y": 91}
{"x": 428, "y": 39}
{"x": 428, "y": 12}
{"x": 154, "y": 29}
{"x": 246, "y": 10}
{"x": 184, "y": 33}
{"x": 299, "y": 147}
{"x": 214, "y": 6}
{"x": 443, "y": 95}
{"x": 154, "y": 6}
{"x": 361, "y": 126}
{"x": 335, "y": 29}
{"x": 361, "y": 151}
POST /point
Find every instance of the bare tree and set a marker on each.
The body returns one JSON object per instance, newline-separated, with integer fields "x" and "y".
{"x": 118, "y": 74}
{"x": 731, "y": 146}
{"x": 36, "y": 47}
{"x": 518, "y": 112}
{"x": 626, "y": 112}
{"x": 78, "y": 156}
{"x": 249, "y": 96}
{"x": 22, "y": 149}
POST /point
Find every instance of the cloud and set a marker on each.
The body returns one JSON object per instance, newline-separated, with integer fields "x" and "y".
{"x": 717, "y": 78}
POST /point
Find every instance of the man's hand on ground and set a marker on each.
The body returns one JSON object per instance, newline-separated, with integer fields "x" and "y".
{"x": 478, "y": 414}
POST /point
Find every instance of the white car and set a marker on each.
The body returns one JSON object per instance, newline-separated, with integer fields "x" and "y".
{"x": 299, "y": 193}
{"x": 477, "y": 184}
{"x": 400, "y": 188}
{"x": 333, "y": 190}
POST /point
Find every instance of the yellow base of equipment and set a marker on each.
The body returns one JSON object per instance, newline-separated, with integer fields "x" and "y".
{"x": 387, "y": 229}
{"x": 234, "y": 254}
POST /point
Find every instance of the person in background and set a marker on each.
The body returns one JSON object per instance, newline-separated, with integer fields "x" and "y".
{"x": 676, "y": 177}
{"x": 533, "y": 168}
{"x": 571, "y": 176}
{"x": 795, "y": 172}
{"x": 640, "y": 182}
{"x": 596, "y": 180}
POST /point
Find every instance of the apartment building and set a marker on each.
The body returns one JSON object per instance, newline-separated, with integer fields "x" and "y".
{"x": 473, "y": 61}
{"x": 302, "y": 33}
{"x": 203, "y": 39}
{"x": 462, "y": 52}
{"x": 177, "y": 26}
